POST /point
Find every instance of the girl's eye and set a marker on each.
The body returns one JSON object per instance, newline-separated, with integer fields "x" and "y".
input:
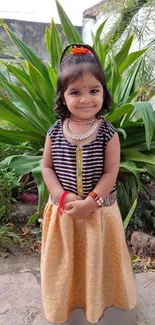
{"x": 75, "y": 92}
{"x": 94, "y": 91}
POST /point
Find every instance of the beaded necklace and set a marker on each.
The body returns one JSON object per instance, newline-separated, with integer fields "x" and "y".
{"x": 79, "y": 136}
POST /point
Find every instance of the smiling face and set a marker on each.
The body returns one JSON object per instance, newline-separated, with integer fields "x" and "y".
{"x": 84, "y": 97}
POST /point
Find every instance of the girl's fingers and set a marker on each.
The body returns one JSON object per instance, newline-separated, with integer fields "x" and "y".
{"x": 68, "y": 206}
{"x": 69, "y": 210}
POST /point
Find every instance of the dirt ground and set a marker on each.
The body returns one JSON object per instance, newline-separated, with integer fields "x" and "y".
{"x": 20, "y": 294}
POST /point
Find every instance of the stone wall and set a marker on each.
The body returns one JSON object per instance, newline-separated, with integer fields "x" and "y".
{"x": 32, "y": 33}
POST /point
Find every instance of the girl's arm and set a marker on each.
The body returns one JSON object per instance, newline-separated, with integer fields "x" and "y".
{"x": 50, "y": 178}
{"x": 111, "y": 168}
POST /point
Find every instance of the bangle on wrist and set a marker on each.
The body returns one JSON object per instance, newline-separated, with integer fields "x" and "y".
{"x": 60, "y": 206}
{"x": 98, "y": 199}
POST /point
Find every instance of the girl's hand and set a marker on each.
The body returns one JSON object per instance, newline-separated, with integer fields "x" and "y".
{"x": 80, "y": 209}
{"x": 70, "y": 197}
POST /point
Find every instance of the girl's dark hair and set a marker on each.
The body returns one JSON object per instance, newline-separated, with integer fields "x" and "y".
{"x": 71, "y": 68}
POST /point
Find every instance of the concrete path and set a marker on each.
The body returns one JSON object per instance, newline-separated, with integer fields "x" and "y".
{"x": 20, "y": 299}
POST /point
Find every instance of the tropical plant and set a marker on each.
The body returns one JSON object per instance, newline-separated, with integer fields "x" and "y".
{"x": 30, "y": 106}
{"x": 8, "y": 181}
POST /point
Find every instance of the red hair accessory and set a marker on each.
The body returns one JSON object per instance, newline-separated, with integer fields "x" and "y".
{"x": 80, "y": 50}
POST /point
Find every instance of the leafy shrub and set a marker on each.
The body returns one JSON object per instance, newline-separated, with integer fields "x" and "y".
{"x": 7, "y": 236}
{"x": 8, "y": 180}
{"x": 5, "y": 149}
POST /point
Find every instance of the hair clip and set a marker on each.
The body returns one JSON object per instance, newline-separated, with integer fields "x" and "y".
{"x": 80, "y": 50}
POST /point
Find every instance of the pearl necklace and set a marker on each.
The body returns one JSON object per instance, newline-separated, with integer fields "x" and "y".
{"x": 80, "y": 136}
{"x": 82, "y": 123}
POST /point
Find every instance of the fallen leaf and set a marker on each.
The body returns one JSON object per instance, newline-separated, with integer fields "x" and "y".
{"x": 136, "y": 258}
{"x": 25, "y": 230}
{"x": 37, "y": 246}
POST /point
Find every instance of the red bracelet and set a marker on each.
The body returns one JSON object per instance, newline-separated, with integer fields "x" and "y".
{"x": 60, "y": 206}
{"x": 97, "y": 198}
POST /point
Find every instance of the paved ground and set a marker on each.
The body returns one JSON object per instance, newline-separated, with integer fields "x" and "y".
{"x": 20, "y": 302}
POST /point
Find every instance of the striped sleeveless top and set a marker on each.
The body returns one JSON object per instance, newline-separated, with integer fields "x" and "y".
{"x": 64, "y": 155}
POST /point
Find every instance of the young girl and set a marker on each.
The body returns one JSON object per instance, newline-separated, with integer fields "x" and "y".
{"x": 85, "y": 261}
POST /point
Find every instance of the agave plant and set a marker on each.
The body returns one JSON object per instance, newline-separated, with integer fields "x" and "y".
{"x": 29, "y": 106}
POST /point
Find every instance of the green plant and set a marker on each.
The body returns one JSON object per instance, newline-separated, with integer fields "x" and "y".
{"x": 10, "y": 150}
{"x": 8, "y": 180}
{"x": 6, "y": 151}
{"x": 31, "y": 106}
{"x": 7, "y": 236}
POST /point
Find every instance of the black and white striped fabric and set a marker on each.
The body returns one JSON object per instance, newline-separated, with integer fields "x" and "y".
{"x": 64, "y": 157}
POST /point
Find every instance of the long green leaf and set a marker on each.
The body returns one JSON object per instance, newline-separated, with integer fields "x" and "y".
{"x": 128, "y": 84}
{"x": 99, "y": 49}
{"x": 21, "y": 164}
{"x": 70, "y": 31}
{"x": 12, "y": 108}
{"x": 28, "y": 54}
{"x": 7, "y": 115}
{"x": 119, "y": 112}
{"x": 42, "y": 189}
{"x": 25, "y": 80}
{"x": 143, "y": 147}
{"x": 56, "y": 47}
{"x": 138, "y": 139}
{"x": 33, "y": 218}
{"x": 29, "y": 109}
{"x": 145, "y": 110}
{"x": 135, "y": 155}
{"x": 122, "y": 54}
{"x": 115, "y": 79}
{"x": 53, "y": 77}
{"x": 44, "y": 111}
{"x": 150, "y": 170}
{"x": 4, "y": 85}
{"x": 23, "y": 77}
{"x": 130, "y": 166}
{"x": 124, "y": 200}
{"x": 18, "y": 137}
{"x": 130, "y": 59}
{"x": 43, "y": 89}
{"x": 119, "y": 57}
{"x": 99, "y": 32}
{"x": 122, "y": 132}
{"x": 130, "y": 214}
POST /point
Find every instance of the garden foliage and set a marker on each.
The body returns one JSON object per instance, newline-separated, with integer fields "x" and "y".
{"x": 29, "y": 106}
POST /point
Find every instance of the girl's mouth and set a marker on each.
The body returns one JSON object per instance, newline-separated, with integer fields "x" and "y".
{"x": 86, "y": 107}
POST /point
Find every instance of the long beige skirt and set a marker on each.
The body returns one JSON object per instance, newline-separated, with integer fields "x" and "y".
{"x": 85, "y": 263}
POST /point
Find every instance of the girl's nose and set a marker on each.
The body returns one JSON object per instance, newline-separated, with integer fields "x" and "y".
{"x": 85, "y": 98}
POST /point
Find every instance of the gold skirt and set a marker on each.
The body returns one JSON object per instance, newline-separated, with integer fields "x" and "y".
{"x": 85, "y": 263}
